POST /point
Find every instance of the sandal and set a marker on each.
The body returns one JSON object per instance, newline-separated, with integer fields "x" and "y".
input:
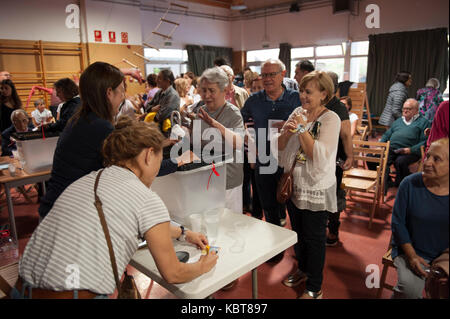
{"x": 311, "y": 295}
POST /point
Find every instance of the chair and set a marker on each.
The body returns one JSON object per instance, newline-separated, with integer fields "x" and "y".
{"x": 362, "y": 183}
{"x": 360, "y": 104}
{"x": 422, "y": 157}
{"x": 361, "y": 133}
{"x": 387, "y": 262}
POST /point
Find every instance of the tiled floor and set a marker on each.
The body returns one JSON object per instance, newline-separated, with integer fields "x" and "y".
{"x": 345, "y": 270}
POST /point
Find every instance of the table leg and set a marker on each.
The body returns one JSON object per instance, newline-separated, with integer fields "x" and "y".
{"x": 12, "y": 221}
{"x": 255, "y": 283}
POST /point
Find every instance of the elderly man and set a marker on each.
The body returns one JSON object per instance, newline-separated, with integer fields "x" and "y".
{"x": 21, "y": 123}
{"x": 165, "y": 100}
{"x": 235, "y": 95}
{"x": 269, "y": 109}
{"x": 5, "y": 75}
{"x": 406, "y": 136}
{"x": 344, "y": 155}
{"x": 302, "y": 68}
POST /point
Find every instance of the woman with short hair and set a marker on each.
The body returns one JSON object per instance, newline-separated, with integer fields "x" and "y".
{"x": 420, "y": 221}
{"x": 429, "y": 99}
{"x": 308, "y": 142}
{"x": 71, "y": 236}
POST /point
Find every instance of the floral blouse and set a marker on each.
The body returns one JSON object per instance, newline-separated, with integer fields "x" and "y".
{"x": 429, "y": 99}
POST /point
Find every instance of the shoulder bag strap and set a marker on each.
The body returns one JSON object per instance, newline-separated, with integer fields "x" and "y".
{"x": 98, "y": 205}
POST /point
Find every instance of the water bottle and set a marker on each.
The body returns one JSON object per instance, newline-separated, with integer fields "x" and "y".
{"x": 9, "y": 252}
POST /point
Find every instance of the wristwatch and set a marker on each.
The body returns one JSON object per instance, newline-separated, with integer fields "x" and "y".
{"x": 301, "y": 129}
{"x": 183, "y": 234}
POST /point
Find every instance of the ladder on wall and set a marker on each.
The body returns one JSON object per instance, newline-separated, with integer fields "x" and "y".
{"x": 163, "y": 21}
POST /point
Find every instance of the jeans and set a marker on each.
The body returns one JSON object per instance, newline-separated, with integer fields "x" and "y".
{"x": 266, "y": 185}
{"x": 310, "y": 248}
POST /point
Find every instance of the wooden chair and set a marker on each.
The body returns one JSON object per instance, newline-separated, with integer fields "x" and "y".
{"x": 360, "y": 104}
{"x": 362, "y": 183}
{"x": 387, "y": 262}
{"x": 361, "y": 133}
{"x": 422, "y": 157}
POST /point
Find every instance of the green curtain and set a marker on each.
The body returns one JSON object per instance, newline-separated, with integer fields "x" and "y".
{"x": 424, "y": 53}
{"x": 285, "y": 57}
{"x": 201, "y": 58}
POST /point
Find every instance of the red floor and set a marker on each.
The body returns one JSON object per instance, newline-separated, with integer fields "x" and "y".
{"x": 345, "y": 267}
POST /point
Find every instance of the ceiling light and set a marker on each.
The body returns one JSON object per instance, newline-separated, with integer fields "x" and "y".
{"x": 238, "y": 5}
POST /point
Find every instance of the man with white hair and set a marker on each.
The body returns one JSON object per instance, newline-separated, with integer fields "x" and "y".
{"x": 406, "y": 136}
{"x": 20, "y": 123}
{"x": 269, "y": 109}
{"x": 235, "y": 95}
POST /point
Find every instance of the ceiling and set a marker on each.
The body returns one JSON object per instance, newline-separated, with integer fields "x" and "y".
{"x": 251, "y": 4}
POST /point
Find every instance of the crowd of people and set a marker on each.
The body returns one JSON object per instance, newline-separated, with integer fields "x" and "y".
{"x": 305, "y": 127}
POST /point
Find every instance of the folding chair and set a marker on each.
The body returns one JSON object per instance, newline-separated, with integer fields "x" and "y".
{"x": 387, "y": 262}
{"x": 363, "y": 184}
{"x": 361, "y": 133}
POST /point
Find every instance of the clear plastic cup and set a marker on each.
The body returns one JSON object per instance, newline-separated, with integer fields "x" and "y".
{"x": 212, "y": 220}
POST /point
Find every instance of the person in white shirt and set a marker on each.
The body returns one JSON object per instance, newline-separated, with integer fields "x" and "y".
{"x": 308, "y": 142}
{"x": 353, "y": 117}
{"x": 41, "y": 115}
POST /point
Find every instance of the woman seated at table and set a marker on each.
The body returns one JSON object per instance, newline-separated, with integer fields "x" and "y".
{"x": 420, "y": 221}
{"x": 72, "y": 236}
{"x": 309, "y": 139}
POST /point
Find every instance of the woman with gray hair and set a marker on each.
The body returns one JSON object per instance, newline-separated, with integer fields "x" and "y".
{"x": 429, "y": 99}
{"x": 223, "y": 116}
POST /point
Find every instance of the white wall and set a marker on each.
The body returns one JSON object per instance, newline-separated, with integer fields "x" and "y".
{"x": 319, "y": 26}
{"x": 118, "y": 18}
{"x": 36, "y": 20}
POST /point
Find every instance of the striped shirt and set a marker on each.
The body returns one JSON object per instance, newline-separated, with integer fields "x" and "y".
{"x": 70, "y": 240}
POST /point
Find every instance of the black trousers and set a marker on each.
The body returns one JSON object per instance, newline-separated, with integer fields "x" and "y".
{"x": 310, "y": 247}
{"x": 333, "y": 218}
{"x": 266, "y": 185}
{"x": 250, "y": 194}
{"x": 401, "y": 163}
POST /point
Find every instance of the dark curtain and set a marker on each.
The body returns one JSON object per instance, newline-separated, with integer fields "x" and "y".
{"x": 285, "y": 57}
{"x": 423, "y": 53}
{"x": 201, "y": 58}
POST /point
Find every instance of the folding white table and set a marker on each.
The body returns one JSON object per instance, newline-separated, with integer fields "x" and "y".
{"x": 261, "y": 241}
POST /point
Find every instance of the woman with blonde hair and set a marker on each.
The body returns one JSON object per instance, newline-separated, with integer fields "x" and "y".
{"x": 72, "y": 233}
{"x": 182, "y": 87}
{"x": 308, "y": 142}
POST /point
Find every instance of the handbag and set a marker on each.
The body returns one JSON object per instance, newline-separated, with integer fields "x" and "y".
{"x": 436, "y": 284}
{"x": 285, "y": 185}
{"x": 128, "y": 289}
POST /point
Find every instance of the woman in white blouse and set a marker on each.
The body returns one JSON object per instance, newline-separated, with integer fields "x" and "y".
{"x": 310, "y": 138}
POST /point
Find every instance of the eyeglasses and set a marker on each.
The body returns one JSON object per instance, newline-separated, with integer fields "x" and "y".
{"x": 269, "y": 75}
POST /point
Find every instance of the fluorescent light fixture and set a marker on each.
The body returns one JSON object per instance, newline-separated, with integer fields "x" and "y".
{"x": 238, "y": 5}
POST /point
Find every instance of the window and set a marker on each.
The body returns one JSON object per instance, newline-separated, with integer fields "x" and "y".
{"x": 358, "y": 61}
{"x": 172, "y": 59}
{"x": 324, "y": 58}
{"x": 256, "y": 57}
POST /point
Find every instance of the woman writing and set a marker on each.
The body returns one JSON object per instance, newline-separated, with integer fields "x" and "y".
{"x": 72, "y": 234}
{"x": 309, "y": 139}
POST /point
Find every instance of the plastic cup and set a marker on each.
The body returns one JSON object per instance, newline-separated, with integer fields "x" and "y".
{"x": 212, "y": 220}
{"x": 12, "y": 169}
{"x": 196, "y": 222}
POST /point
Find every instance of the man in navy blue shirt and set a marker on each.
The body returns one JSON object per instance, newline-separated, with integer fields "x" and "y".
{"x": 269, "y": 109}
